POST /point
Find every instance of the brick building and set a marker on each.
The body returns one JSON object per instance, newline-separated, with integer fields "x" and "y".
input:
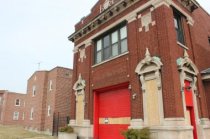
{"x": 48, "y": 94}
{"x": 142, "y": 63}
{"x": 12, "y": 106}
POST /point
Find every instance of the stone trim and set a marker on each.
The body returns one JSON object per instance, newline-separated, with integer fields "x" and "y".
{"x": 159, "y": 3}
{"x": 105, "y": 16}
{"x": 136, "y": 124}
{"x": 115, "y": 9}
{"x": 188, "y": 71}
{"x": 113, "y": 58}
{"x": 182, "y": 45}
{"x": 150, "y": 3}
{"x": 146, "y": 61}
{"x": 131, "y": 18}
{"x": 79, "y": 86}
{"x": 82, "y": 54}
{"x": 146, "y": 20}
{"x": 206, "y": 77}
{"x": 148, "y": 69}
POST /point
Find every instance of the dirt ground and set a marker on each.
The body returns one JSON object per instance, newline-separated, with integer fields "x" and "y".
{"x": 15, "y": 132}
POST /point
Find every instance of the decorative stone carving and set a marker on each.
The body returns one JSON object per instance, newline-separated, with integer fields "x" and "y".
{"x": 148, "y": 60}
{"x": 106, "y": 5}
{"x": 149, "y": 64}
{"x": 188, "y": 71}
{"x": 82, "y": 54}
{"x": 149, "y": 71}
{"x": 79, "y": 86}
{"x": 146, "y": 20}
{"x": 190, "y": 5}
{"x": 186, "y": 66}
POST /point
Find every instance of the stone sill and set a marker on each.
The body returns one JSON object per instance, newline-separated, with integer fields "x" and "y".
{"x": 115, "y": 57}
{"x": 182, "y": 45}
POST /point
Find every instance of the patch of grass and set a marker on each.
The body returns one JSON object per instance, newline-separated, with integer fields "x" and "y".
{"x": 16, "y": 132}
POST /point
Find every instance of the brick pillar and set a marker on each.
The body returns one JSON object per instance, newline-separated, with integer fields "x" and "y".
{"x": 169, "y": 52}
{"x": 137, "y": 103}
{"x": 87, "y": 72}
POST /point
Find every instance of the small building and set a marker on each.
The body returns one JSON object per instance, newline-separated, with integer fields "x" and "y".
{"x": 12, "y": 108}
{"x": 142, "y": 63}
{"x": 48, "y": 99}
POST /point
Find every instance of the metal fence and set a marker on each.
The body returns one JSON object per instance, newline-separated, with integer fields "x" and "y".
{"x": 59, "y": 120}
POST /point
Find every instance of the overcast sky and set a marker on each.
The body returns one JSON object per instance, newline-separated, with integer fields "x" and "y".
{"x": 36, "y": 31}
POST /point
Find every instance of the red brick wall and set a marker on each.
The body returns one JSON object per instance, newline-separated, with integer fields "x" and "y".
{"x": 38, "y": 102}
{"x": 201, "y": 48}
{"x": 9, "y": 107}
{"x": 58, "y": 98}
{"x": 1, "y": 105}
{"x": 50, "y": 99}
{"x": 63, "y": 90}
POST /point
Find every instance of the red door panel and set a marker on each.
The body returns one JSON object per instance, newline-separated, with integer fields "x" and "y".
{"x": 111, "y": 131}
{"x": 190, "y": 107}
{"x": 188, "y": 94}
{"x": 112, "y": 105}
{"x": 192, "y": 120}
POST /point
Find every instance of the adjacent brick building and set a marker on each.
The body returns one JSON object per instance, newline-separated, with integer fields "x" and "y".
{"x": 48, "y": 94}
{"x": 45, "y": 107}
{"x": 142, "y": 63}
{"x": 12, "y": 106}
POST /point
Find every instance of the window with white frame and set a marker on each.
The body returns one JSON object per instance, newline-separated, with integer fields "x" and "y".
{"x": 178, "y": 17}
{"x": 34, "y": 90}
{"x": 17, "y": 102}
{"x": 32, "y": 114}
{"x": 23, "y": 116}
{"x": 48, "y": 110}
{"x": 111, "y": 44}
{"x": 50, "y": 85}
{"x": 15, "y": 115}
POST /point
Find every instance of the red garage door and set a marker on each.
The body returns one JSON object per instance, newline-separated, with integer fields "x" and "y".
{"x": 113, "y": 113}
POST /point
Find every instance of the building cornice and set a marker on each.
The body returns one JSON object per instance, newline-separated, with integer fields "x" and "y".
{"x": 103, "y": 17}
{"x": 122, "y": 5}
